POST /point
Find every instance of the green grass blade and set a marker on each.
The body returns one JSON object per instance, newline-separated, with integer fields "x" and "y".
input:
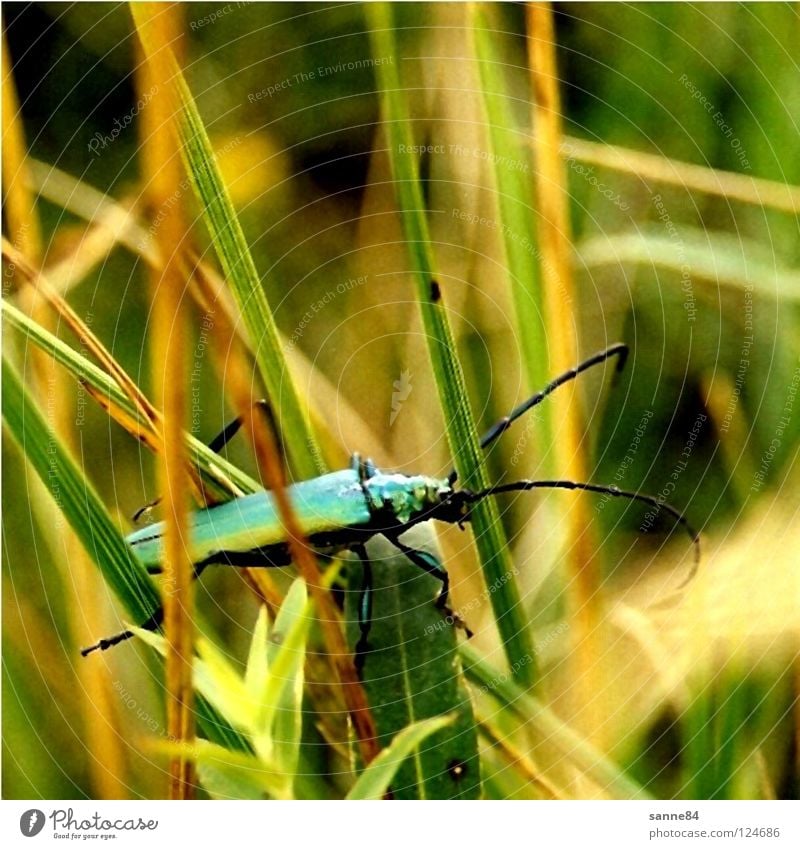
{"x": 266, "y": 703}
{"x": 509, "y": 150}
{"x": 544, "y": 722}
{"x": 237, "y": 263}
{"x": 216, "y": 469}
{"x": 224, "y": 776}
{"x": 376, "y": 778}
{"x": 86, "y": 514}
{"x": 698, "y": 747}
{"x": 412, "y": 672}
{"x": 461, "y": 433}
{"x": 77, "y": 500}
{"x": 227, "y": 774}
{"x": 217, "y": 729}
{"x": 281, "y": 715}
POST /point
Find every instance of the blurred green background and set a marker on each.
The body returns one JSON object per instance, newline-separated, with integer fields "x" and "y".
{"x": 288, "y": 94}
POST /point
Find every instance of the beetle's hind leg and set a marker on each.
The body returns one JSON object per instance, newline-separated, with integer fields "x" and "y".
{"x": 154, "y": 623}
{"x": 428, "y": 563}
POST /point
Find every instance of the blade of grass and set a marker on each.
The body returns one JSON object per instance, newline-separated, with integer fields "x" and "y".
{"x": 107, "y": 764}
{"x": 376, "y": 778}
{"x": 518, "y": 760}
{"x": 508, "y": 147}
{"x": 77, "y": 500}
{"x": 461, "y": 433}
{"x": 161, "y": 162}
{"x": 687, "y": 175}
{"x": 282, "y": 690}
{"x": 228, "y": 478}
{"x": 234, "y": 255}
{"x": 713, "y": 257}
{"x": 412, "y": 672}
{"x": 580, "y": 567}
{"x": 229, "y": 775}
{"x": 548, "y": 726}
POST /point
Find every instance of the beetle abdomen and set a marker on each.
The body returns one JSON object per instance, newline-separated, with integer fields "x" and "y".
{"x": 328, "y": 503}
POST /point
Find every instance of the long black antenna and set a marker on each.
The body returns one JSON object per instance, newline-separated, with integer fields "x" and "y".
{"x": 500, "y": 427}
{"x": 616, "y": 492}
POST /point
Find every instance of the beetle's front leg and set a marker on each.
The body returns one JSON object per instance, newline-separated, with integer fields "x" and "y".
{"x": 430, "y": 564}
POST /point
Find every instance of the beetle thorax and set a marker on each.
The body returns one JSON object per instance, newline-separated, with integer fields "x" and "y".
{"x": 405, "y": 497}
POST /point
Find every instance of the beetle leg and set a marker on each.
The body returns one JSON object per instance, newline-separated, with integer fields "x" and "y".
{"x": 364, "y": 609}
{"x": 220, "y": 441}
{"x": 151, "y": 624}
{"x": 365, "y": 468}
{"x": 430, "y": 564}
{"x": 232, "y": 428}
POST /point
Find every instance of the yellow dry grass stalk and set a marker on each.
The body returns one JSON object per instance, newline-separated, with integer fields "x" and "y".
{"x": 557, "y": 277}
{"x": 162, "y": 165}
{"x": 559, "y": 293}
{"x": 519, "y": 760}
{"x": 96, "y": 703}
{"x": 19, "y": 204}
{"x": 330, "y": 621}
{"x": 700, "y": 178}
{"x": 114, "y": 223}
{"x": 209, "y": 292}
{"x": 156, "y": 43}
